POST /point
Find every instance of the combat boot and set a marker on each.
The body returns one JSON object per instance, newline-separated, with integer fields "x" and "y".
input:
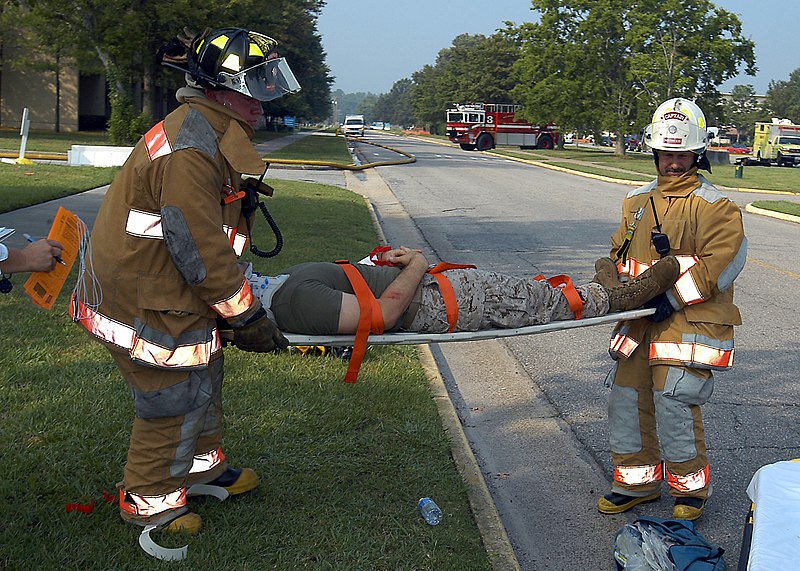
{"x": 633, "y": 294}
{"x": 606, "y": 273}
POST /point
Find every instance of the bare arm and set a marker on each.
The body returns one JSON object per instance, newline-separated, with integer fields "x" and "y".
{"x": 40, "y": 256}
{"x": 396, "y": 297}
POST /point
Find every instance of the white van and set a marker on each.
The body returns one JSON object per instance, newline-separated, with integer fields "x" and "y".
{"x": 353, "y": 125}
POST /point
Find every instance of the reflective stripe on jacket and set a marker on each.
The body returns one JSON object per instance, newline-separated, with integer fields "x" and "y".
{"x": 707, "y": 237}
{"x": 164, "y": 246}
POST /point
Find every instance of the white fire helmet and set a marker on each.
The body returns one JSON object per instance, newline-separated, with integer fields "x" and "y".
{"x": 677, "y": 125}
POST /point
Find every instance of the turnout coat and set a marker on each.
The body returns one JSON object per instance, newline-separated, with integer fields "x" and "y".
{"x": 707, "y": 236}
{"x": 165, "y": 242}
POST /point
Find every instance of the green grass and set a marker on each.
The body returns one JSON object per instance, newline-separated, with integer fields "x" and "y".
{"x": 783, "y": 206}
{"x": 24, "y": 185}
{"x": 322, "y": 148}
{"x": 640, "y": 166}
{"x": 50, "y": 142}
{"x": 341, "y": 465}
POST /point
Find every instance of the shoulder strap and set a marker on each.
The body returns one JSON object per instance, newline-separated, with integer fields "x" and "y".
{"x": 446, "y": 289}
{"x": 370, "y": 318}
{"x": 564, "y": 283}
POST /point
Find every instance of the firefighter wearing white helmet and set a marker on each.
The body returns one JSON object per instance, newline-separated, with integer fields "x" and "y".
{"x": 663, "y": 364}
{"x": 164, "y": 253}
{"x": 679, "y": 125}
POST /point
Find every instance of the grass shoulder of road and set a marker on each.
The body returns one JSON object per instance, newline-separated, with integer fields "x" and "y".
{"x": 27, "y": 184}
{"x": 640, "y": 167}
{"x": 317, "y": 148}
{"x": 342, "y": 465}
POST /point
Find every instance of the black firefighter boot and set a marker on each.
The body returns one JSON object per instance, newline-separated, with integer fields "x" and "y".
{"x": 633, "y": 294}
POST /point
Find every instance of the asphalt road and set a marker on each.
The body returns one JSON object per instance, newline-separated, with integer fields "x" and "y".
{"x": 534, "y": 408}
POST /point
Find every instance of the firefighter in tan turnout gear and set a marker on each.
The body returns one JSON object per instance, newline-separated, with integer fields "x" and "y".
{"x": 164, "y": 254}
{"x": 664, "y": 363}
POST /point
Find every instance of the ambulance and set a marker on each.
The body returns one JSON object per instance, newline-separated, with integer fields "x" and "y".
{"x": 776, "y": 142}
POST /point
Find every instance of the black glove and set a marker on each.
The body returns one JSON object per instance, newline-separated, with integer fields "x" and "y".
{"x": 259, "y": 334}
{"x": 663, "y": 308}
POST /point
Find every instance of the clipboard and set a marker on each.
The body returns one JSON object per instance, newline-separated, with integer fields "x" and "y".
{"x": 44, "y": 287}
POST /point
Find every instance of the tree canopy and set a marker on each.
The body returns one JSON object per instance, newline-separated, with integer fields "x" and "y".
{"x": 124, "y": 37}
{"x": 476, "y": 68}
{"x": 783, "y": 98}
{"x": 606, "y": 64}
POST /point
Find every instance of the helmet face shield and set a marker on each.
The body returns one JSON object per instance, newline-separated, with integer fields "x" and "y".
{"x": 266, "y": 81}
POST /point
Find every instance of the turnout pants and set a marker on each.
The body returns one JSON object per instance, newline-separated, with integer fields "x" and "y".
{"x": 654, "y": 414}
{"x": 176, "y": 436}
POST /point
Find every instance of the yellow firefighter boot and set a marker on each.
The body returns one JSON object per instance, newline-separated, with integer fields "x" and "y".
{"x": 653, "y": 281}
{"x": 688, "y": 508}
{"x": 237, "y": 481}
{"x": 615, "y": 503}
{"x": 186, "y": 522}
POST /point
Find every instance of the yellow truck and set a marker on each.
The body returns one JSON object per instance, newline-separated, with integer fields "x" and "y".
{"x": 777, "y": 142}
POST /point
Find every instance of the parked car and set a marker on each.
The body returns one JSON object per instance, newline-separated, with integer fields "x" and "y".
{"x": 739, "y": 149}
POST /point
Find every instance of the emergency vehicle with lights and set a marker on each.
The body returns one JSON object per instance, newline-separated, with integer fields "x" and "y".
{"x": 777, "y": 142}
{"x": 483, "y": 126}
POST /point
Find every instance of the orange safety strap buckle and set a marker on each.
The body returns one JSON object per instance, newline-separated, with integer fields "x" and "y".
{"x": 564, "y": 283}
{"x": 233, "y": 197}
{"x": 370, "y": 318}
{"x": 446, "y": 289}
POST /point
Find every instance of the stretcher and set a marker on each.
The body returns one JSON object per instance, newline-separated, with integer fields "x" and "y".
{"x": 404, "y": 338}
{"x": 771, "y": 536}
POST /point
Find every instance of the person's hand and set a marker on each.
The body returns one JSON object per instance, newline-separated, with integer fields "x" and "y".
{"x": 403, "y": 256}
{"x": 40, "y": 256}
{"x": 258, "y": 334}
{"x": 663, "y": 308}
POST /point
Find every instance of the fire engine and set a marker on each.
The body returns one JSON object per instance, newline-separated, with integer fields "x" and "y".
{"x": 778, "y": 141}
{"x": 483, "y": 126}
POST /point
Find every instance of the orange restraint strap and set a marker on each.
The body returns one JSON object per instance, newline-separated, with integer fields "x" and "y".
{"x": 568, "y": 289}
{"x": 370, "y": 318}
{"x": 446, "y": 289}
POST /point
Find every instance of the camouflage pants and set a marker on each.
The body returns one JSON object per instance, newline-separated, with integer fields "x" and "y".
{"x": 488, "y": 300}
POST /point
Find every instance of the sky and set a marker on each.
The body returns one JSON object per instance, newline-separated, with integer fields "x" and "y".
{"x": 370, "y": 44}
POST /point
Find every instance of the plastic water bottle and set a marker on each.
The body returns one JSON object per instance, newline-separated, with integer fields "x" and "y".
{"x": 429, "y": 511}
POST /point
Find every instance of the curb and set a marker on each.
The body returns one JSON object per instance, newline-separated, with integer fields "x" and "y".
{"x": 493, "y": 533}
{"x": 490, "y": 526}
{"x": 772, "y": 214}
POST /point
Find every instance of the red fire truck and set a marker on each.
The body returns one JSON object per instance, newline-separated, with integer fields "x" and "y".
{"x": 483, "y": 126}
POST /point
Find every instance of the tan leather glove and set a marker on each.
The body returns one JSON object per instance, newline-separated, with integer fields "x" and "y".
{"x": 259, "y": 334}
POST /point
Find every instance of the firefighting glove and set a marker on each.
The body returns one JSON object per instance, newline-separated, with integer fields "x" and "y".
{"x": 662, "y": 306}
{"x": 259, "y": 334}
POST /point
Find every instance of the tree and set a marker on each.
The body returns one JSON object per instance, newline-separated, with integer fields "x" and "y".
{"x": 606, "y": 64}
{"x": 475, "y": 69}
{"x": 125, "y": 36}
{"x": 742, "y": 111}
{"x": 783, "y": 98}
{"x": 395, "y": 106}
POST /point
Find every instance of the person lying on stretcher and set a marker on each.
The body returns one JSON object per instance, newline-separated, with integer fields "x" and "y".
{"x": 319, "y": 298}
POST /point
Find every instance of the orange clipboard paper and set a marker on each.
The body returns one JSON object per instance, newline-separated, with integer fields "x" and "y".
{"x": 44, "y": 287}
